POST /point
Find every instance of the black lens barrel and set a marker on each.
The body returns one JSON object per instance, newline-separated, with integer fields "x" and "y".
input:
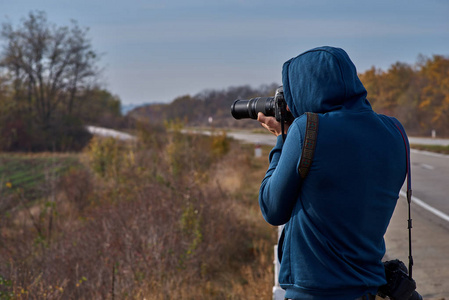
{"x": 244, "y": 109}
{"x": 239, "y": 109}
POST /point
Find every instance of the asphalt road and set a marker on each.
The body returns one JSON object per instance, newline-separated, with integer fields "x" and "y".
{"x": 254, "y": 138}
{"x": 430, "y": 181}
{"x": 428, "y": 141}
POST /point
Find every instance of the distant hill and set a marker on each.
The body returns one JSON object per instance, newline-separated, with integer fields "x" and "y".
{"x": 198, "y": 109}
{"x": 128, "y": 107}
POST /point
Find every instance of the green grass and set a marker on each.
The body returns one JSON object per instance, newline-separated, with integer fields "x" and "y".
{"x": 30, "y": 172}
{"x": 432, "y": 148}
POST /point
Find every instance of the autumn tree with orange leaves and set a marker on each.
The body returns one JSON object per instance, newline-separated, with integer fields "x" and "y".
{"x": 417, "y": 95}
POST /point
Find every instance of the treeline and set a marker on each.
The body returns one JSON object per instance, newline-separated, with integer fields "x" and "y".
{"x": 198, "y": 110}
{"x": 48, "y": 87}
{"x": 418, "y": 95}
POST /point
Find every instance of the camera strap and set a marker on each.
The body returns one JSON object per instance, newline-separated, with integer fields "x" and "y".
{"x": 284, "y": 136}
{"x": 409, "y": 198}
{"x": 308, "y": 148}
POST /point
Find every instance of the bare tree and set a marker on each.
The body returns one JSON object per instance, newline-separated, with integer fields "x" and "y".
{"x": 50, "y": 66}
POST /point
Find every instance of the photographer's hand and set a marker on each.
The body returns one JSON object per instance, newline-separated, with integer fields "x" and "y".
{"x": 271, "y": 124}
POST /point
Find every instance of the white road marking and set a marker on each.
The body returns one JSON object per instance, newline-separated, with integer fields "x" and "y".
{"x": 426, "y": 207}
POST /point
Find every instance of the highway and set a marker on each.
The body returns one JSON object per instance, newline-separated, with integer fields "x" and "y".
{"x": 253, "y": 138}
{"x": 430, "y": 182}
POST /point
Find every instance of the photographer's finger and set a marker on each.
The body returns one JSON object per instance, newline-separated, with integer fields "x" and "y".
{"x": 269, "y": 121}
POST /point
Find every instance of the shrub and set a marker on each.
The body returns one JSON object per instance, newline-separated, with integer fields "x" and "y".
{"x": 105, "y": 156}
{"x": 77, "y": 185}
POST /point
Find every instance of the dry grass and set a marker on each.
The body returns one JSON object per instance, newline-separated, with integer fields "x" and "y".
{"x": 432, "y": 148}
{"x": 171, "y": 217}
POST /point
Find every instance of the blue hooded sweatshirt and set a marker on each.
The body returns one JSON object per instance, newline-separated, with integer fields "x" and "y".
{"x": 335, "y": 219}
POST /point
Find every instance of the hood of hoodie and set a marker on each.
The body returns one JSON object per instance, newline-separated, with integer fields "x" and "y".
{"x": 321, "y": 80}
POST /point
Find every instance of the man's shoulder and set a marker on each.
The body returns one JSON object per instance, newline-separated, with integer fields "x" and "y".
{"x": 391, "y": 121}
{"x": 299, "y": 123}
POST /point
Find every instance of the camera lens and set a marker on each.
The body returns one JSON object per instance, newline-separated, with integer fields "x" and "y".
{"x": 239, "y": 109}
{"x": 243, "y": 109}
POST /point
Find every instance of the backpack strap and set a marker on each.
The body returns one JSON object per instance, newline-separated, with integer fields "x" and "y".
{"x": 308, "y": 148}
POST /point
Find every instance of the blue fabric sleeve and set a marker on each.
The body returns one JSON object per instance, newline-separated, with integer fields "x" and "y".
{"x": 280, "y": 187}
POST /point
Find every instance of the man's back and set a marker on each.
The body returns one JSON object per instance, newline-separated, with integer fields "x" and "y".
{"x": 347, "y": 200}
{"x": 336, "y": 217}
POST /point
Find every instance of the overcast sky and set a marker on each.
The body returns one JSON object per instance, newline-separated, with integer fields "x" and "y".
{"x": 155, "y": 50}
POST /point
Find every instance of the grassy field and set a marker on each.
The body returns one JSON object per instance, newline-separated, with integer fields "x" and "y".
{"x": 29, "y": 171}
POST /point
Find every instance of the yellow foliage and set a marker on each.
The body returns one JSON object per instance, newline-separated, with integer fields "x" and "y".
{"x": 220, "y": 144}
{"x": 417, "y": 95}
{"x": 108, "y": 155}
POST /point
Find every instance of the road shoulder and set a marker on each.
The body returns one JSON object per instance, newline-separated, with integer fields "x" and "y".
{"x": 429, "y": 245}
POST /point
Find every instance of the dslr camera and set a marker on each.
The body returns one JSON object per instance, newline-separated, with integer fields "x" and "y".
{"x": 400, "y": 286}
{"x": 269, "y": 106}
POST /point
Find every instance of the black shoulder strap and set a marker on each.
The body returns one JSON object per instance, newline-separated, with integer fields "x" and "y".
{"x": 409, "y": 197}
{"x": 308, "y": 148}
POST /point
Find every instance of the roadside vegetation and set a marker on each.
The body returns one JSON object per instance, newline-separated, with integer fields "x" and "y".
{"x": 172, "y": 216}
{"x": 432, "y": 148}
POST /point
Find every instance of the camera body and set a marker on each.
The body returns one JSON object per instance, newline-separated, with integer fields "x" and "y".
{"x": 399, "y": 285}
{"x": 269, "y": 106}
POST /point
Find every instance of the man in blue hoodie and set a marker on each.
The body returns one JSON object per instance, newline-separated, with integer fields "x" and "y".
{"x": 336, "y": 217}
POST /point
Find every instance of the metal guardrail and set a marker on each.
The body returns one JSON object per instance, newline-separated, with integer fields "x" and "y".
{"x": 278, "y": 292}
